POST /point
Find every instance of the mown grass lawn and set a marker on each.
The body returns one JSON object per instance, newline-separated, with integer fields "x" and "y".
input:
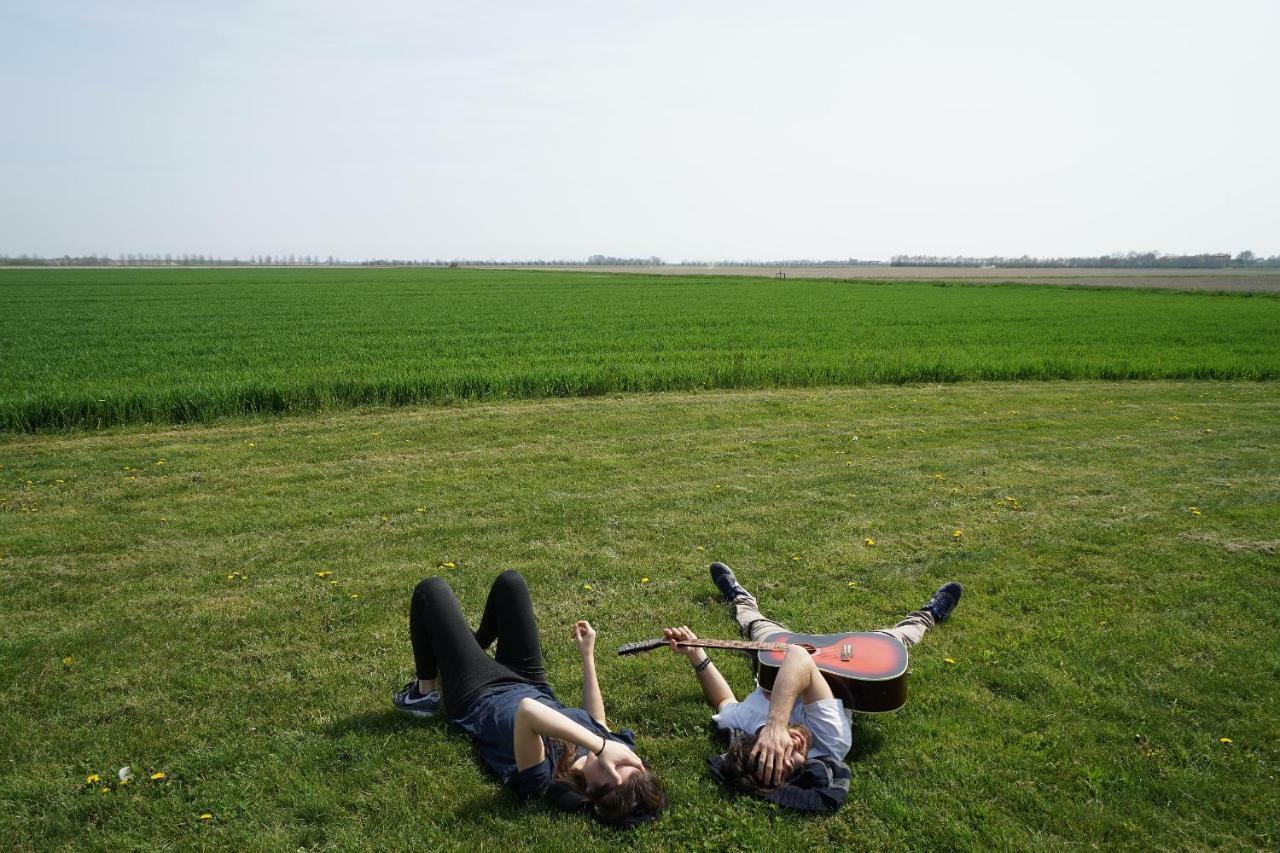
{"x": 1118, "y": 547}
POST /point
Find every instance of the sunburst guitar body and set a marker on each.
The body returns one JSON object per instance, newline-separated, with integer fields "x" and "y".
{"x": 866, "y": 670}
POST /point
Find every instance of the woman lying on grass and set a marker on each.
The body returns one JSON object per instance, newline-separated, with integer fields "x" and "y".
{"x": 526, "y": 738}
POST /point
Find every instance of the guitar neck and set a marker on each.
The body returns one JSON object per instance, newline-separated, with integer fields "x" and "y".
{"x": 746, "y": 645}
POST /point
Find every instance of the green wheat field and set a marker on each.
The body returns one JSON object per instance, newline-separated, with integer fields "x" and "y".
{"x": 102, "y": 347}
{"x": 218, "y": 488}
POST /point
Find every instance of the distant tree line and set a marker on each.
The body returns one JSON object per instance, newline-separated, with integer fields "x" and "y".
{"x": 166, "y": 260}
{"x": 1128, "y": 260}
{"x": 786, "y": 262}
{"x": 197, "y": 260}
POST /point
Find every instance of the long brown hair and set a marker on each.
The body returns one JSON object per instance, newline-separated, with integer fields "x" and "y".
{"x": 639, "y": 798}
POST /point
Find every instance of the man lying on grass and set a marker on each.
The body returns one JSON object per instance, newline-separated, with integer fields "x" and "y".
{"x": 526, "y": 738}
{"x": 788, "y": 746}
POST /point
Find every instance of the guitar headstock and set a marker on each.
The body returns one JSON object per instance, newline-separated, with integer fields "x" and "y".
{"x": 641, "y": 646}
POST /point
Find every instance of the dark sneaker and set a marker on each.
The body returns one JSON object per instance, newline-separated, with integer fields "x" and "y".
{"x": 409, "y": 700}
{"x": 722, "y": 576}
{"x": 943, "y": 601}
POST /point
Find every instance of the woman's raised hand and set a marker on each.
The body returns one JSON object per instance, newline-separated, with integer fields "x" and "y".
{"x": 584, "y": 637}
{"x": 614, "y": 755}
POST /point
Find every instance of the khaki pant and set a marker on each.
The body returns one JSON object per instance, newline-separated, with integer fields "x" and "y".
{"x": 754, "y": 626}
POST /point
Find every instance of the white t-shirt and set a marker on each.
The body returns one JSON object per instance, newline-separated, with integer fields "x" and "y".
{"x": 832, "y": 728}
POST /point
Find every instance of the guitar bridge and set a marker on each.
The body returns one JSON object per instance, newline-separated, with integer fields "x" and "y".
{"x": 846, "y": 651}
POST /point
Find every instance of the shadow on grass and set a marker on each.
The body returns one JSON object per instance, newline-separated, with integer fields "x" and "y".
{"x": 492, "y": 803}
{"x": 867, "y": 740}
{"x": 382, "y": 723}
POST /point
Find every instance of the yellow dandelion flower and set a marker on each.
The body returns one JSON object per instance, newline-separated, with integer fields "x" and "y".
{"x": 159, "y": 461}
{"x": 644, "y": 580}
{"x": 386, "y": 518}
{"x": 323, "y": 574}
{"x": 1225, "y": 740}
{"x": 450, "y": 565}
{"x": 949, "y": 660}
{"x": 355, "y": 595}
{"x": 420, "y": 509}
{"x": 376, "y": 434}
{"x": 106, "y": 789}
{"x": 157, "y": 776}
{"x": 68, "y": 660}
{"x": 333, "y": 583}
{"x": 869, "y": 542}
{"x": 206, "y": 816}
{"x": 700, "y": 548}
{"x": 231, "y": 576}
{"x": 91, "y": 778}
{"x": 59, "y": 481}
{"x": 853, "y": 583}
{"x": 936, "y": 476}
{"x": 796, "y": 557}
{"x": 252, "y": 444}
{"x": 957, "y": 534}
{"x": 587, "y": 586}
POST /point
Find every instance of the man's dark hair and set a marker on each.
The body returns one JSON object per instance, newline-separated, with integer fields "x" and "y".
{"x": 739, "y": 771}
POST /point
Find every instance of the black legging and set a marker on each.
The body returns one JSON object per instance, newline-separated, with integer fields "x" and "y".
{"x": 444, "y": 645}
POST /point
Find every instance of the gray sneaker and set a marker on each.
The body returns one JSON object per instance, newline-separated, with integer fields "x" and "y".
{"x": 943, "y": 601}
{"x": 725, "y": 580}
{"x": 409, "y": 700}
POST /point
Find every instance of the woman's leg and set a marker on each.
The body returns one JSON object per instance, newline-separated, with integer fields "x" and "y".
{"x": 445, "y": 648}
{"x": 508, "y": 617}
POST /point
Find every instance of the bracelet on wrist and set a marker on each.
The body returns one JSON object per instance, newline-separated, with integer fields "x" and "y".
{"x": 604, "y": 741}
{"x": 699, "y": 667}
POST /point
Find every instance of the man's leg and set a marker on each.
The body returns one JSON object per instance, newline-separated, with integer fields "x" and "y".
{"x": 912, "y": 628}
{"x": 508, "y": 617}
{"x": 752, "y": 624}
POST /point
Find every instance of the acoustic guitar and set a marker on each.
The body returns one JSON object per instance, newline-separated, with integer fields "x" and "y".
{"x": 866, "y": 671}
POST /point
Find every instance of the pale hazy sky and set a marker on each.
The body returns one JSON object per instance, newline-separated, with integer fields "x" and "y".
{"x": 681, "y": 129}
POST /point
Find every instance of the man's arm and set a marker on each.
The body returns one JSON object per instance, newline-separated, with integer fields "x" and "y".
{"x": 714, "y": 688}
{"x": 584, "y": 636}
{"x": 798, "y": 677}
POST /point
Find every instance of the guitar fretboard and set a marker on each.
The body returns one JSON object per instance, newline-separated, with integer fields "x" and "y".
{"x": 745, "y": 645}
